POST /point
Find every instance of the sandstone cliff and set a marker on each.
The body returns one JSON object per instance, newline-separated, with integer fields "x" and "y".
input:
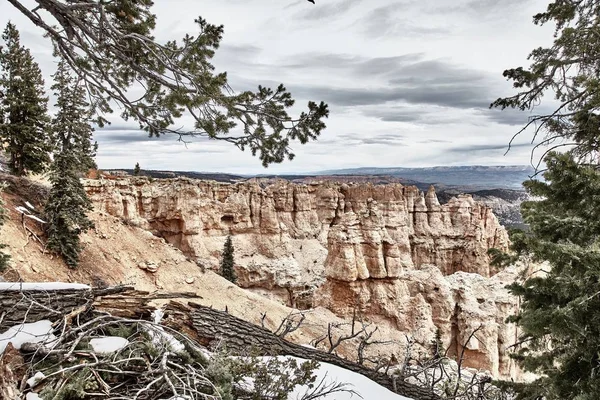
{"x": 391, "y": 251}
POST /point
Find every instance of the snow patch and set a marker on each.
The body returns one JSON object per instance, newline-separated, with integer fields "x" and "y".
{"x": 359, "y": 383}
{"x": 44, "y": 286}
{"x": 38, "y": 376}
{"x": 157, "y": 315}
{"x": 108, "y": 344}
{"x": 332, "y": 373}
{"x": 33, "y": 396}
{"x": 33, "y": 217}
{"x": 36, "y": 332}
{"x": 160, "y": 338}
{"x": 22, "y": 210}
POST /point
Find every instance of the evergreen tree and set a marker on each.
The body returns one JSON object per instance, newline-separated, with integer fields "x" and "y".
{"x": 437, "y": 346}
{"x": 137, "y": 169}
{"x": 227, "y": 270}
{"x": 4, "y": 258}
{"x": 23, "y": 108}
{"x": 73, "y": 118}
{"x": 177, "y": 77}
{"x": 68, "y": 203}
{"x": 569, "y": 71}
{"x": 560, "y": 310}
{"x": 560, "y": 315}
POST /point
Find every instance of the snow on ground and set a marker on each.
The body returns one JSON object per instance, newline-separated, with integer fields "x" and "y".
{"x": 362, "y": 385}
{"x": 33, "y": 396}
{"x": 108, "y": 344}
{"x": 160, "y": 338}
{"x": 36, "y": 332}
{"x": 45, "y": 286}
{"x": 38, "y": 376}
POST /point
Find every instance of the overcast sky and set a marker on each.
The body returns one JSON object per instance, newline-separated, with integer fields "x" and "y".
{"x": 408, "y": 82}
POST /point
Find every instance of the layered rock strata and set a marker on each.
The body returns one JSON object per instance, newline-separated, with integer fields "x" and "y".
{"x": 389, "y": 250}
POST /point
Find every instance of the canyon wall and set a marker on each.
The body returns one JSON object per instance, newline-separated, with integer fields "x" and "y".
{"x": 390, "y": 251}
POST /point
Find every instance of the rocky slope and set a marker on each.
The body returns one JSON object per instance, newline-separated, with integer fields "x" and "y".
{"x": 397, "y": 255}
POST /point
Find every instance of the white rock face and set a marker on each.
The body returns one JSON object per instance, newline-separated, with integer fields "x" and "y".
{"x": 392, "y": 251}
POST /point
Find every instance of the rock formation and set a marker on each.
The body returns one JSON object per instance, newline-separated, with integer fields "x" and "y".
{"x": 389, "y": 250}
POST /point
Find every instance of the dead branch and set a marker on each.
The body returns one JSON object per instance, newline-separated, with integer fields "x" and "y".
{"x": 290, "y": 323}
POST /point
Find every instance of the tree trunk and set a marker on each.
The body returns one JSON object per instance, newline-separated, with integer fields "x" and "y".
{"x": 240, "y": 337}
{"x": 23, "y": 306}
{"x": 17, "y": 307}
{"x": 200, "y": 323}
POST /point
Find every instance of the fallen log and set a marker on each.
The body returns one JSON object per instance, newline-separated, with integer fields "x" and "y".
{"x": 23, "y": 303}
{"x": 202, "y": 324}
{"x": 19, "y": 305}
{"x": 240, "y": 336}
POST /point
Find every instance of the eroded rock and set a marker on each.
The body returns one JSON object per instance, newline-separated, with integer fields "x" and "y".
{"x": 390, "y": 250}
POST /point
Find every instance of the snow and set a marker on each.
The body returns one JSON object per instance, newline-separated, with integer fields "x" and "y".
{"x": 36, "y": 332}
{"x": 108, "y": 344}
{"x": 157, "y": 315}
{"x": 33, "y": 217}
{"x": 33, "y": 396}
{"x": 357, "y": 382}
{"x": 22, "y": 210}
{"x": 38, "y": 376}
{"x": 28, "y": 204}
{"x": 46, "y": 286}
{"x": 360, "y": 384}
{"x": 161, "y": 338}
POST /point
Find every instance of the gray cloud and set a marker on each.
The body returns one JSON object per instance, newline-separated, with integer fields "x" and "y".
{"x": 481, "y": 9}
{"x": 239, "y": 50}
{"x": 516, "y": 117}
{"x": 377, "y": 139}
{"x": 434, "y": 141}
{"x": 387, "y": 21}
{"x": 424, "y": 68}
{"x": 494, "y": 148}
{"x": 409, "y": 77}
{"x": 423, "y": 115}
{"x": 454, "y": 96}
{"x": 114, "y": 134}
{"x": 328, "y": 11}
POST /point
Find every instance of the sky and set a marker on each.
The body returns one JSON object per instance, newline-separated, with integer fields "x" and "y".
{"x": 408, "y": 82}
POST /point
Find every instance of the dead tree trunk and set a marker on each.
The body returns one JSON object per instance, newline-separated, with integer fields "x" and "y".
{"x": 21, "y": 306}
{"x": 199, "y": 323}
{"x": 240, "y": 336}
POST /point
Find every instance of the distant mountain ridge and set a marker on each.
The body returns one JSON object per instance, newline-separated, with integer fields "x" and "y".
{"x": 475, "y": 177}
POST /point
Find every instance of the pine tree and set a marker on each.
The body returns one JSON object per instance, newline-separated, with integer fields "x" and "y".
{"x": 4, "y": 258}
{"x": 227, "y": 270}
{"x": 177, "y": 79}
{"x": 68, "y": 203}
{"x": 24, "y": 122}
{"x": 560, "y": 310}
{"x": 568, "y": 71}
{"x": 73, "y": 118}
{"x": 137, "y": 169}
{"x": 560, "y": 315}
{"x": 437, "y": 345}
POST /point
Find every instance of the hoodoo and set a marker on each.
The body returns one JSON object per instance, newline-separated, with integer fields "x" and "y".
{"x": 390, "y": 251}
